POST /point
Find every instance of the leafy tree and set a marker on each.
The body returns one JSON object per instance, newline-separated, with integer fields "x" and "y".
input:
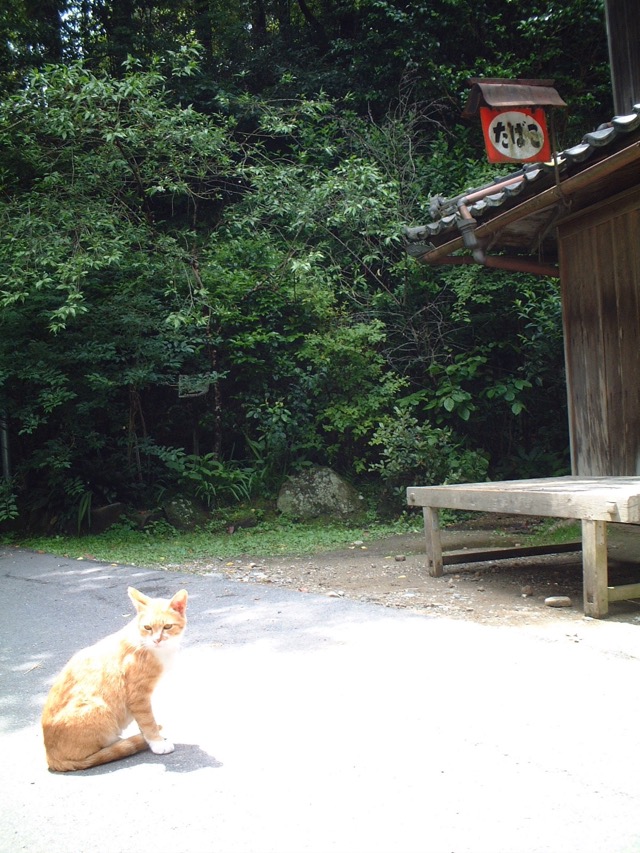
{"x": 106, "y": 225}
{"x": 369, "y": 47}
{"x": 30, "y": 37}
{"x": 95, "y": 169}
{"x": 228, "y": 217}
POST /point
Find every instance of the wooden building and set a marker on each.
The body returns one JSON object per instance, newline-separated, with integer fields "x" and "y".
{"x": 578, "y": 218}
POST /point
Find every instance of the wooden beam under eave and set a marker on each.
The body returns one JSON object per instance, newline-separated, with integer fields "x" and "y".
{"x": 503, "y": 262}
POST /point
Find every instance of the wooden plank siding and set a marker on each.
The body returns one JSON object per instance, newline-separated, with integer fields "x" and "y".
{"x": 600, "y": 274}
{"x": 623, "y": 32}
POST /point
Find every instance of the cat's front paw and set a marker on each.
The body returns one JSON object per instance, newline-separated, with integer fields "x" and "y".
{"x": 161, "y": 747}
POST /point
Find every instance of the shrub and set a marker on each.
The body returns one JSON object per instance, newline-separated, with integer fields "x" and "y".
{"x": 419, "y": 453}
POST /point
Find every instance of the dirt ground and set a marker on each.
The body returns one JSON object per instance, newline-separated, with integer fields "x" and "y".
{"x": 392, "y": 572}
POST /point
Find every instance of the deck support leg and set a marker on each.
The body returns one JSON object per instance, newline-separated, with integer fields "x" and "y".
{"x": 433, "y": 542}
{"x": 594, "y": 567}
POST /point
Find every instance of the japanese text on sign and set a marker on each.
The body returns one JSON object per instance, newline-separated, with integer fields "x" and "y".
{"x": 515, "y": 135}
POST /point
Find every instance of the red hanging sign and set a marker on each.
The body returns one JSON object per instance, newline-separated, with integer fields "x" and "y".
{"x": 517, "y": 135}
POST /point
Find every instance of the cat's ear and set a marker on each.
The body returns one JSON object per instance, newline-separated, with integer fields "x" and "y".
{"x": 139, "y": 600}
{"x": 179, "y": 602}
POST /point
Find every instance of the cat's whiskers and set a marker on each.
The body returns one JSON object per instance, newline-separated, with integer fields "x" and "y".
{"x": 165, "y": 652}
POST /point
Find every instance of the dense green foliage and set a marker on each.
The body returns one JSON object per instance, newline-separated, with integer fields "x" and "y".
{"x": 202, "y": 276}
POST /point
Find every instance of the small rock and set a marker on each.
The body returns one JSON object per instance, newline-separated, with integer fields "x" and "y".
{"x": 526, "y": 591}
{"x": 400, "y": 558}
{"x": 558, "y": 601}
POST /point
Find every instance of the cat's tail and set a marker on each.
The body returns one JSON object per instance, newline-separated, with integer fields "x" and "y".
{"x": 114, "y": 752}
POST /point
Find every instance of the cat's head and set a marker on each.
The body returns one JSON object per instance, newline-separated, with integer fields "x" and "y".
{"x": 160, "y": 621}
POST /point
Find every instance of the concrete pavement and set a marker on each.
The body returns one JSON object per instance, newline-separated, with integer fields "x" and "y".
{"x": 308, "y": 724}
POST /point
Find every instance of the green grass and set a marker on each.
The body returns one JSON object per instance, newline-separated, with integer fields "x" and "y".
{"x": 553, "y": 531}
{"x": 161, "y": 545}
{"x": 164, "y": 546}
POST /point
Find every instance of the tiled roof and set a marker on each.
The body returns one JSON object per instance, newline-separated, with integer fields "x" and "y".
{"x": 530, "y": 179}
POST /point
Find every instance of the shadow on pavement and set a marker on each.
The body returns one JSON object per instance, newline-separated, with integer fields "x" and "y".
{"x": 187, "y": 758}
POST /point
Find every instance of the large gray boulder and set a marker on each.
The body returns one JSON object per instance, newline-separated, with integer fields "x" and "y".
{"x": 318, "y": 492}
{"x": 184, "y": 513}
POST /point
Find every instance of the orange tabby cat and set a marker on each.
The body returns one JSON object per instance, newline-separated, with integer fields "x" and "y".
{"x": 105, "y": 687}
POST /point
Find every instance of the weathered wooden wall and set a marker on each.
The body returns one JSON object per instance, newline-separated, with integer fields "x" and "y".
{"x": 623, "y": 31}
{"x": 600, "y": 274}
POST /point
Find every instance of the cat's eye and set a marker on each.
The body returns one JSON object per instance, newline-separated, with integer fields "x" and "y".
{"x": 147, "y": 627}
{"x": 168, "y": 627}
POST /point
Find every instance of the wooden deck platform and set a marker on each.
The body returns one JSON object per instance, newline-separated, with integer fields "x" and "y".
{"x": 593, "y": 500}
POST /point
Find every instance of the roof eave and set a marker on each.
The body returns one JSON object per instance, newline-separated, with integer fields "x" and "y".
{"x": 557, "y": 195}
